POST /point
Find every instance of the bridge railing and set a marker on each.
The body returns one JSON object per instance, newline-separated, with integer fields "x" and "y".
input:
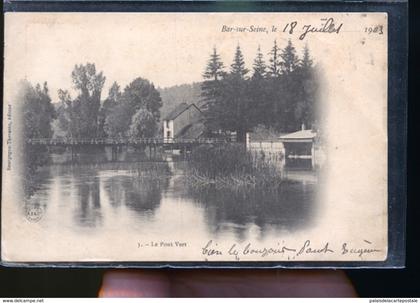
{"x": 139, "y": 141}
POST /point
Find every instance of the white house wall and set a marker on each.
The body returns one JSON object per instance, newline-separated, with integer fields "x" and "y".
{"x": 168, "y": 126}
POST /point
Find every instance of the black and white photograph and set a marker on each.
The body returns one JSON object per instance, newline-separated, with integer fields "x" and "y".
{"x": 205, "y": 137}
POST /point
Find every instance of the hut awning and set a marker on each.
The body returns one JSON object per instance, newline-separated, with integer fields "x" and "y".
{"x": 306, "y": 135}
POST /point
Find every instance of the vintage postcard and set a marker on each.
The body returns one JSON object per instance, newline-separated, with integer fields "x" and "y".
{"x": 204, "y": 137}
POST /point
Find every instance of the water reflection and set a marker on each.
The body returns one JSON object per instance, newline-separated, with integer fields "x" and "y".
{"x": 102, "y": 196}
{"x": 38, "y": 195}
{"x": 142, "y": 195}
{"x": 88, "y": 212}
{"x": 287, "y": 207}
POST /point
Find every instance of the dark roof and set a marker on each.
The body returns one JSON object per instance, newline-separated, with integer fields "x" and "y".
{"x": 179, "y": 110}
{"x": 192, "y": 131}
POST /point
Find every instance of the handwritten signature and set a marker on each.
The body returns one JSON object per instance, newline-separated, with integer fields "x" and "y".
{"x": 212, "y": 249}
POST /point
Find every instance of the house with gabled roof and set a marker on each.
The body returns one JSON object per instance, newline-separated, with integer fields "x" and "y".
{"x": 183, "y": 122}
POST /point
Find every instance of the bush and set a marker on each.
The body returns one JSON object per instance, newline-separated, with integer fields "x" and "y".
{"x": 231, "y": 164}
{"x": 213, "y": 161}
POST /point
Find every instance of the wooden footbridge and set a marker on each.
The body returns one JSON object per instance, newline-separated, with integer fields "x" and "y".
{"x": 173, "y": 143}
{"x": 117, "y": 144}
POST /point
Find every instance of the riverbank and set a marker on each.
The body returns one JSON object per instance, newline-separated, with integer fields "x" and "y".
{"x": 231, "y": 166}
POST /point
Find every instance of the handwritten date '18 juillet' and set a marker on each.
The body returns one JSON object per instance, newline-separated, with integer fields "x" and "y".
{"x": 327, "y": 25}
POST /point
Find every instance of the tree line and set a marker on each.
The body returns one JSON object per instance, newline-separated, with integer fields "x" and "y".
{"x": 133, "y": 112}
{"x": 279, "y": 94}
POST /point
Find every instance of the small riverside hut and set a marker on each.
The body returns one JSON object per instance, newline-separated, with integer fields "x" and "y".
{"x": 299, "y": 149}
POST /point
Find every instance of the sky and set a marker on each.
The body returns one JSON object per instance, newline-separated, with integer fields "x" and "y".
{"x": 167, "y": 49}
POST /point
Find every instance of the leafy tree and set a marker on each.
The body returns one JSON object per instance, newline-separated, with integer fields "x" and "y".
{"x": 114, "y": 94}
{"x": 140, "y": 93}
{"x": 89, "y": 84}
{"x": 117, "y": 121}
{"x": 140, "y": 96}
{"x": 37, "y": 115}
{"x": 79, "y": 116}
{"x": 113, "y": 99}
{"x": 38, "y": 111}
{"x": 143, "y": 125}
{"x": 68, "y": 112}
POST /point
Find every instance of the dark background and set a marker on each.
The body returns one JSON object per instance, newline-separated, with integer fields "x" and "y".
{"x": 47, "y": 282}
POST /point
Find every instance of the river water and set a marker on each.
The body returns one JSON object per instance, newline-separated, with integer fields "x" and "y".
{"x": 152, "y": 196}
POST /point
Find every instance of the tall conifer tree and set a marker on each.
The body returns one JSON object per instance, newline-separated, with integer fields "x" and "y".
{"x": 307, "y": 61}
{"x": 235, "y": 98}
{"x": 308, "y": 92}
{"x": 238, "y": 69}
{"x": 214, "y": 69}
{"x": 211, "y": 89}
{"x": 290, "y": 59}
{"x": 274, "y": 67}
{"x": 259, "y": 66}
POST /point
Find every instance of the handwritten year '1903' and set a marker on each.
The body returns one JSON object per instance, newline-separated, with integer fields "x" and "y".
{"x": 378, "y": 29}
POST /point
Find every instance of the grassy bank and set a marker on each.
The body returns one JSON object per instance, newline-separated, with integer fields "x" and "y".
{"x": 230, "y": 165}
{"x": 153, "y": 170}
